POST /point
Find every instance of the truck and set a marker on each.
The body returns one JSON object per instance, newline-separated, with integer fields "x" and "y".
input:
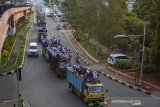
{"x": 89, "y": 90}
{"x": 40, "y": 16}
{"x": 58, "y": 62}
{"x": 42, "y": 31}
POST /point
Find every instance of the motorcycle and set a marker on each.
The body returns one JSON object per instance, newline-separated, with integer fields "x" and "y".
{"x": 78, "y": 59}
{"x": 58, "y": 27}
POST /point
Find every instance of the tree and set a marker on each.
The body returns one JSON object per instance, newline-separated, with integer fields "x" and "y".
{"x": 156, "y": 47}
{"x": 148, "y": 10}
{"x": 83, "y": 16}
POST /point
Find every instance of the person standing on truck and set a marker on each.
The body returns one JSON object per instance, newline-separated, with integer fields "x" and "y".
{"x": 58, "y": 40}
{"x": 87, "y": 74}
{"x": 95, "y": 76}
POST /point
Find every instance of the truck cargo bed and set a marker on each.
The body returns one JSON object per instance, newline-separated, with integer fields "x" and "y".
{"x": 75, "y": 80}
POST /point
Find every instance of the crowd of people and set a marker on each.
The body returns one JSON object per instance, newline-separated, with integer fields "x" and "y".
{"x": 6, "y": 6}
{"x": 56, "y": 49}
{"x": 86, "y": 73}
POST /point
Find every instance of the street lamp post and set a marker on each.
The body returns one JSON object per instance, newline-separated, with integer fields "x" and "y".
{"x": 19, "y": 78}
{"x": 17, "y": 71}
{"x": 142, "y": 61}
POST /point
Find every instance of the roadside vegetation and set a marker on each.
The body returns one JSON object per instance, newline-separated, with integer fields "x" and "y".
{"x": 9, "y": 44}
{"x": 22, "y": 28}
{"x": 7, "y": 49}
{"x": 102, "y": 20}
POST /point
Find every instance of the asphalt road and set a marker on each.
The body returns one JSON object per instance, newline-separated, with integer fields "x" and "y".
{"x": 42, "y": 88}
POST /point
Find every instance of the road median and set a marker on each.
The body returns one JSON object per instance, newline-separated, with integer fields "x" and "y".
{"x": 21, "y": 51}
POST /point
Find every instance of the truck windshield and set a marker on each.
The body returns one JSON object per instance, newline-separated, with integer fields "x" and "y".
{"x": 95, "y": 89}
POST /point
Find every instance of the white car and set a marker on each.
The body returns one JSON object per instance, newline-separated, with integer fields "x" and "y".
{"x": 117, "y": 57}
{"x": 33, "y": 49}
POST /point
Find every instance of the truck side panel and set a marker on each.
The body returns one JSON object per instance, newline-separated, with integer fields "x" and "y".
{"x": 76, "y": 81}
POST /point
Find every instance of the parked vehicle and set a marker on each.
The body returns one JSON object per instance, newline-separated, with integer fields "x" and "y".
{"x": 77, "y": 59}
{"x": 33, "y": 49}
{"x": 58, "y": 27}
{"x": 86, "y": 84}
{"x": 113, "y": 58}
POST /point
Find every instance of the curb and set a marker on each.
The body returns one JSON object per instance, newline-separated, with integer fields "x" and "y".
{"x": 152, "y": 86}
{"x": 26, "y": 45}
{"x": 126, "y": 84}
{"x": 82, "y": 59}
{"x": 14, "y": 71}
{"x": 89, "y": 56}
{"x": 24, "y": 103}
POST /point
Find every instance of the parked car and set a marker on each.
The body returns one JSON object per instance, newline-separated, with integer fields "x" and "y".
{"x": 113, "y": 58}
{"x": 33, "y": 49}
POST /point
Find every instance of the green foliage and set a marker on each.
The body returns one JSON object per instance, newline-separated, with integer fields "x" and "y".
{"x": 91, "y": 49}
{"x": 156, "y": 47}
{"x": 7, "y": 47}
{"x": 9, "y": 43}
{"x": 123, "y": 64}
{"x": 83, "y": 17}
{"x": 148, "y": 10}
{"x": 134, "y": 25}
{"x": 143, "y": 8}
{"x": 5, "y": 54}
{"x": 22, "y": 46}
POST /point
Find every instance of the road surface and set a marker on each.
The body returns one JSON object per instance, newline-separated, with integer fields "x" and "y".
{"x": 42, "y": 88}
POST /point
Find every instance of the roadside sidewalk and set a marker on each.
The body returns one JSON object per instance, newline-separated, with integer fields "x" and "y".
{"x": 14, "y": 103}
{"x": 103, "y": 68}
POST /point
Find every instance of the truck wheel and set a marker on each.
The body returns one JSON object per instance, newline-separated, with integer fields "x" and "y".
{"x": 71, "y": 88}
{"x": 56, "y": 71}
{"x": 60, "y": 74}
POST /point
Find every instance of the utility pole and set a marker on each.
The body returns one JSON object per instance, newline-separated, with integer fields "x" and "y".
{"x": 19, "y": 78}
{"x": 141, "y": 73}
{"x": 17, "y": 74}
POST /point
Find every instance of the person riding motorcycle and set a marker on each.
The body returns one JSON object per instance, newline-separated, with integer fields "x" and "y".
{"x": 77, "y": 58}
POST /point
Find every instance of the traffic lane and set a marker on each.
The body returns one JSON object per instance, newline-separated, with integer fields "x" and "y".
{"x": 52, "y": 31}
{"x": 44, "y": 89}
{"x": 120, "y": 92}
{"x": 8, "y": 87}
{"x": 41, "y": 87}
{"x": 115, "y": 89}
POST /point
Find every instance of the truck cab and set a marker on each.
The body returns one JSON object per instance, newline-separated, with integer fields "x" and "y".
{"x": 93, "y": 93}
